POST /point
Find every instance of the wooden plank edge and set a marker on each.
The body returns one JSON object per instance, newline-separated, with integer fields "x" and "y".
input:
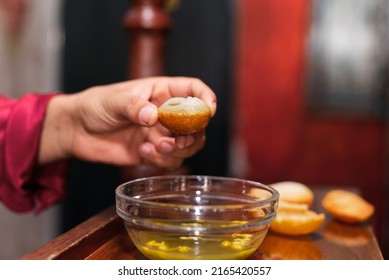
{"x": 82, "y": 240}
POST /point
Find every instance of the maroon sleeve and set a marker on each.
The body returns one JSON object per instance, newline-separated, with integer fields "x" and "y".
{"x": 23, "y": 185}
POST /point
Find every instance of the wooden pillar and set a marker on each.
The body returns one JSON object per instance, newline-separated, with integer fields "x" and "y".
{"x": 148, "y": 24}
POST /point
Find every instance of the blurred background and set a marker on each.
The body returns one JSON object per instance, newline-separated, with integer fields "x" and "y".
{"x": 301, "y": 87}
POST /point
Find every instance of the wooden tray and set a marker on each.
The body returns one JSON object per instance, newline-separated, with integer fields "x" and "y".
{"x": 103, "y": 237}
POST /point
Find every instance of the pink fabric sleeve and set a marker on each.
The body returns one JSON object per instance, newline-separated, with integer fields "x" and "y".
{"x": 24, "y": 186}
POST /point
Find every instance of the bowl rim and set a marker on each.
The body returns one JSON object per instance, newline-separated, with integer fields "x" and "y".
{"x": 249, "y": 203}
{"x": 265, "y": 220}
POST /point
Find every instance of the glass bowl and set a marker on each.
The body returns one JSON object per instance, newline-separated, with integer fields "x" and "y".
{"x": 196, "y": 217}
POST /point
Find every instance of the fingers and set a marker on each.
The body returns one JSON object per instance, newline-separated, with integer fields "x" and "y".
{"x": 169, "y": 152}
{"x": 138, "y": 108}
{"x": 140, "y": 99}
{"x": 185, "y": 141}
{"x": 130, "y": 101}
{"x": 148, "y": 115}
{"x": 131, "y": 109}
{"x": 150, "y": 155}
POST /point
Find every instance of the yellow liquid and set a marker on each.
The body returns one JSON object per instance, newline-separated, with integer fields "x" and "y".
{"x": 157, "y": 246}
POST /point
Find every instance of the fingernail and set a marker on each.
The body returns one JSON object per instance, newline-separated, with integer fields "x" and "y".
{"x": 145, "y": 149}
{"x": 147, "y": 114}
{"x": 189, "y": 140}
{"x": 166, "y": 147}
{"x": 184, "y": 141}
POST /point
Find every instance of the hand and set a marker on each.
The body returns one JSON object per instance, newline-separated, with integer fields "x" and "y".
{"x": 118, "y": 124}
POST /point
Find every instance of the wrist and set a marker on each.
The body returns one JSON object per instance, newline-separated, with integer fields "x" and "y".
{"x": 57, "y": 130}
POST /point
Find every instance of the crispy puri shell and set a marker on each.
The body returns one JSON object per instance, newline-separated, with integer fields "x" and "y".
{"x": 347, "y": 206}
{"x": 182, "y": 118}
{"x": 294, "y": 192}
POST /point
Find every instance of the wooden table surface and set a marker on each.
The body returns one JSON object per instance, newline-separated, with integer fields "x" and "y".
{"x": 103, "y": 236}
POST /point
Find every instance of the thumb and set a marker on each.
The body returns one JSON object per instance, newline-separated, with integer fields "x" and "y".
{"x": 148, "y": 114}
{"x": 133, "y": 103}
